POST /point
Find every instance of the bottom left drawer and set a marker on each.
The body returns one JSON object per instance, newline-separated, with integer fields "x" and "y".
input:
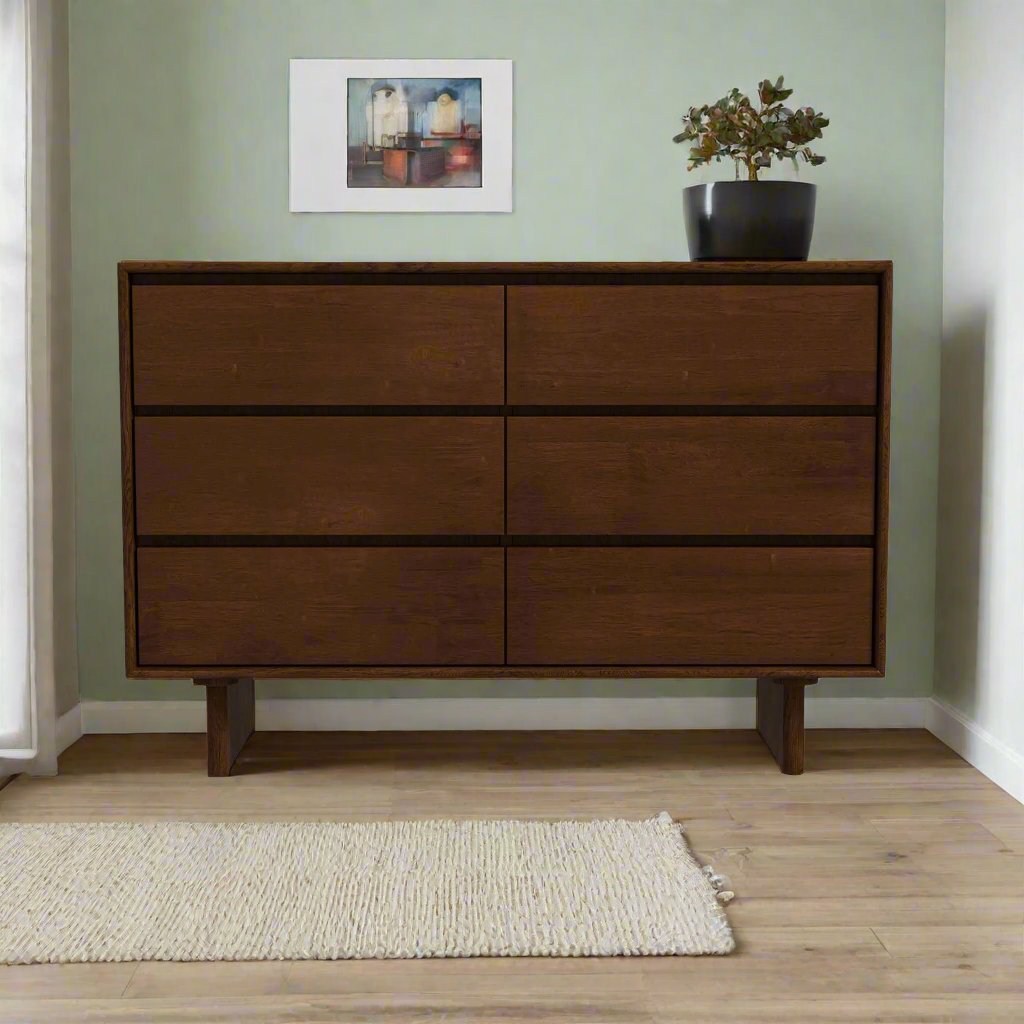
{"x": 237, "y": 606}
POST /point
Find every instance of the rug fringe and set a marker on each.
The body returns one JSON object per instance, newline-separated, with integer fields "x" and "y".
{"x": 719, "y": 882}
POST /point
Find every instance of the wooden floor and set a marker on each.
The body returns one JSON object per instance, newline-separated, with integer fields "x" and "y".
{"x": 886, "y": 884}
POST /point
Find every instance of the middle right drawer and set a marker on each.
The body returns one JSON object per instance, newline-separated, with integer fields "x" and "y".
{"x": 691, "y": 475}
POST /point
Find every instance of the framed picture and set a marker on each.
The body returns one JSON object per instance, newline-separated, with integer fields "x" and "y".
{"x": 400, "y": 136}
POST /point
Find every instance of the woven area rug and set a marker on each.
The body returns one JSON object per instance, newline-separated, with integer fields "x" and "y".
{"x": 324, "y": 891}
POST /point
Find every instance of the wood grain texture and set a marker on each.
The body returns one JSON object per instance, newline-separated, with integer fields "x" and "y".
{"x": 704, "y": 345}
{"x": 352, "y": 475}
{"x": 492, "y": 670}
{"x": 124, "y": 331}
{"x": 780, "y": 720}
{"x": 882, "y": 452}
{"x": 702, "y": 606}
{"x": 320, "y": 606}
{"x": 230, "y": 721}
{"x": 315, "y": 344}
{"x": 279, "y": 297}
{"x": 691, "y": 475}
{"x": 869, "y": 889}
{"x": 306, "y": 268}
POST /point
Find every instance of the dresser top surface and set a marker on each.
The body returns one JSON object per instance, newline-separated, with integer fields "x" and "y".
{"x": 877, "y": 267}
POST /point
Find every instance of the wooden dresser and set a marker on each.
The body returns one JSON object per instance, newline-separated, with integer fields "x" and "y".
{"x": 505, "y": 470}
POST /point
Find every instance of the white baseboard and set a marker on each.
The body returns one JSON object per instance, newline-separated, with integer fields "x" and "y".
{"x": 991, "y": 756}
{"x": 490, "y": 713}
{"x": 69, "y": 728}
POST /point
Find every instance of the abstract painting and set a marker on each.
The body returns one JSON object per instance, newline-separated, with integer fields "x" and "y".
{"x": 400, "y": 135}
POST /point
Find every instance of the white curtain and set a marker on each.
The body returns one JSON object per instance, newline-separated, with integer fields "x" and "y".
{"x": 17, "y": 718}
{"x": 27, "y": 705}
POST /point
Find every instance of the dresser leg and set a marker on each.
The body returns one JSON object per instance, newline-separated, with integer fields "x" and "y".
{"x": 780, "y": 720}
{"x": 230, "y": 720}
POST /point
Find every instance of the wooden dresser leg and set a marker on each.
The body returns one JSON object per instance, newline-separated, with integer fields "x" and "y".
{"x": 780, "y": 720}
{"x": 230, "y": 720}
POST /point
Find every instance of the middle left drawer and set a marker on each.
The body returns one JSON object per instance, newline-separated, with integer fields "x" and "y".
{"x": 319, "y": 475}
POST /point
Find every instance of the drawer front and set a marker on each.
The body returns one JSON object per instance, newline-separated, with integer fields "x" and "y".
{"x": 726, "y": 475}
{"x": 317, "y": 344}
{"x": 693, "y": 344}
{"x": 320, "y": 606}
{"x": 310, "y": 475}
{"x": 690, "y": 606}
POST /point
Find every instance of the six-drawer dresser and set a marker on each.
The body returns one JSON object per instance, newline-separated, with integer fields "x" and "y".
{"x": 505, "y": 470}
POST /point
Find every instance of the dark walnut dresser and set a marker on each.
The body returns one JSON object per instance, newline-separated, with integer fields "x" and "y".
{"x": 505, "y": 470}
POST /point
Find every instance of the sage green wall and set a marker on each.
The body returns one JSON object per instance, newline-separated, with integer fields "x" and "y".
{"x": 179, "y": 151}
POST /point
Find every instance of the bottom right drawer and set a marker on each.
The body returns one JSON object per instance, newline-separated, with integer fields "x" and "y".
{"x": 690, "y": 606}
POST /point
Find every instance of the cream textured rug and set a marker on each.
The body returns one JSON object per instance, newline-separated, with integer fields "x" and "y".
{"x": 324, "y": 891}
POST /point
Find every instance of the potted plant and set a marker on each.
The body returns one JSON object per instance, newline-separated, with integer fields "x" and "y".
{"x": 751, "y": 219}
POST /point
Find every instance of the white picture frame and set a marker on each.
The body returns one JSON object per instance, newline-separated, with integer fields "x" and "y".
{"x": 320, "y": 151}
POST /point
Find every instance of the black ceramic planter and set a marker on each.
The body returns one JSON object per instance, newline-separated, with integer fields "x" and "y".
{"x": 749, "y": 220}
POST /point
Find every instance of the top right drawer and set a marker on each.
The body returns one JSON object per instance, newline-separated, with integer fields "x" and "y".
{"x": 636, "y": 344}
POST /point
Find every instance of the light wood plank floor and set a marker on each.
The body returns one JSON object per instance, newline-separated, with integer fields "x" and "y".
{"x": 886, "y": 884}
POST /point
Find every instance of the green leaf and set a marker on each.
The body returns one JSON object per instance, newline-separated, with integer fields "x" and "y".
{"x": 733, "y": 128}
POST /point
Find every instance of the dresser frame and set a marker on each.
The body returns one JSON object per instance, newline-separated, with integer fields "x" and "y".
{"x": 780, "y": 688}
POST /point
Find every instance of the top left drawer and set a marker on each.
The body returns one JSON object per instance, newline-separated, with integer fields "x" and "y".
{"x": 298, "y": 344}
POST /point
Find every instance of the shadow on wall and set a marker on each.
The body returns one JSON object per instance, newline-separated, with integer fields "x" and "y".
{"x": 979, "y": 649}
{"x": 961, "y": 508}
